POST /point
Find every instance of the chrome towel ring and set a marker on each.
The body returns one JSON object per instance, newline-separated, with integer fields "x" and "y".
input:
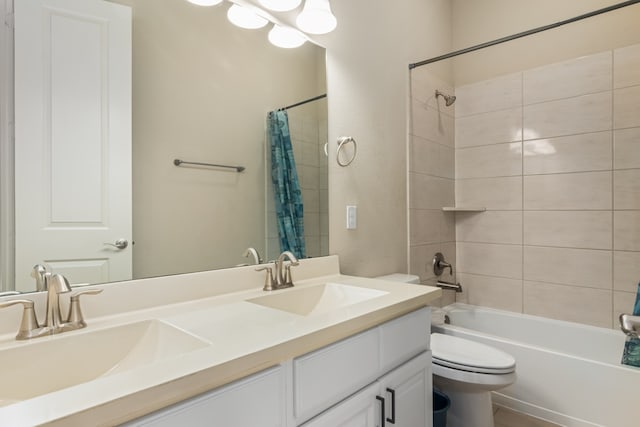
{"x": 342, "y": 141}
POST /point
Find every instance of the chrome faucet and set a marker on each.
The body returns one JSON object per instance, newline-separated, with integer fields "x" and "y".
{"x": 285, "y": 280}
{"x": 254, "y": 254}
{"x": 280, "y": 280}
{"x": 56, "y": 284}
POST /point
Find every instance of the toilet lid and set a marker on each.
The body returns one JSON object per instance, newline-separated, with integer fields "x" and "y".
{"x": 459, "y": 353}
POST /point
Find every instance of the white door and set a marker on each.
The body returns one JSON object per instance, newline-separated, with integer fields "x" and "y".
{"x": 73, "y": 139}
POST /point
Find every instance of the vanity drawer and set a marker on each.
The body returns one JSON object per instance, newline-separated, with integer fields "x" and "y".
{"x": 326, "y": 376}
{"x": 404, "y": 337}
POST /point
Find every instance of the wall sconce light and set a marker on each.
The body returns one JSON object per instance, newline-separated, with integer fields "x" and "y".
{"x": 205, "y": 2}
{"x": 280, "y": 5}
{"x": 316, "y": 17}
{"x": 245, "y": 18}
{"x": 286, "y": 37}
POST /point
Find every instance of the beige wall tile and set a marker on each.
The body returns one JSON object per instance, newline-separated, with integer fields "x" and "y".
{"x": 623, "y": 302}
{"x": 582, "y": 114}
{"x": 626, "y": 189}
{"x": 490, "y": 259}
{"x": 429, "y": 192}
{"x": 626, "y": 233}
{"x": 424, "y": 85}
{"x": 420, "y": 260}
{"x": 423, "y": 156}
{"x": 626, "y": 107}
{"x": 626, "y": 148}
{"x": 577, "y": 229}
{"x": 448, "y": 227}
{"x": 491, "y": 193}
{"x": 489, "y": 161}
{"x": 424, "y": 226}
{"x": 579, "y": 76}
{"x": 626, "y": 66}
{"x": 495, "y": 292}
{"x": 626, "y": 271}
{"x": 489, "y": 227}
{"x": 431, "y": 124}
{"x": 572, "y": 303}
{"x": 489, "y": 128}
{"x": 575, "y": 153}
{"x": 489, "y": 95}
{"x": 446, "y": 162}
{"x": 580, "y": 267}
{"x": 589, "y": 190}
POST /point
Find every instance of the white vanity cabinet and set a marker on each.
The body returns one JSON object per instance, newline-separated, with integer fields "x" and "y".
{"x": 404, "y": 394}
{"x": 258, "y": 400}
{"x": 346, "y": 383}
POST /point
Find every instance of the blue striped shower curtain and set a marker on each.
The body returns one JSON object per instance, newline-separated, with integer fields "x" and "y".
{"x": 286, "y": 187}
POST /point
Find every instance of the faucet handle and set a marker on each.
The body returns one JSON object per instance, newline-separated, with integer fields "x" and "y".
{"x": 29, "y": 322}
{"x": 75, "y": 313}
{"x": 268, "y": 281}
{"x": 288, "y": 278}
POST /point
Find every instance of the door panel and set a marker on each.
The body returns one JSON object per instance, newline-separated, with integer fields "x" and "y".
{"x": 73, "y": 139}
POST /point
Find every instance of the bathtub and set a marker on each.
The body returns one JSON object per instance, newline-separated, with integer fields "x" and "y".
{"x": 568, "y": 373}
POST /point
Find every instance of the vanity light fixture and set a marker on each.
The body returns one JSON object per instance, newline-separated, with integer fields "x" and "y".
{"x": 286, "y": 37}
{"x": 243, "y": 17}
{"x": 280, "y": 5}
{"x": 205, "y": 2}
{"x": 316, "y": 17}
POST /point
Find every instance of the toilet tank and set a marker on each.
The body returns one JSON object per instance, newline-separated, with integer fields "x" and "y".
{"x": 400, "y": 277}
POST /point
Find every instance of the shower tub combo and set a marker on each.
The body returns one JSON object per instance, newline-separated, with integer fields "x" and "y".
{"x": 567, "y": 373}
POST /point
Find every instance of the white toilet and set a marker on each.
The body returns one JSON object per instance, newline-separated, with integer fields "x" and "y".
{"x": 467, "y": 372}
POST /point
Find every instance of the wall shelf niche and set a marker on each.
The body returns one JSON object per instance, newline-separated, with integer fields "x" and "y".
{"x": 463, "y": 209}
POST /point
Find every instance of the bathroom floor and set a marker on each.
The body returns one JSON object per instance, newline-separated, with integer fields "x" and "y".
{"x": 503, "y": 417}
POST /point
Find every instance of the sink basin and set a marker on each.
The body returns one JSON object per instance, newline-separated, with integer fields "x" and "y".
{"x": 316, "y": 299}
{"x": 50, "y": 364}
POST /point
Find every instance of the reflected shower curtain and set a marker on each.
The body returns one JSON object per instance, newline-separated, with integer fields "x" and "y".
{"x": 286, "y": 187}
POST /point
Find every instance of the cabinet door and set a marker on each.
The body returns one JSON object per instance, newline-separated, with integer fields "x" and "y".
{"x": 360, "y": 410}
{"x": 258, "y": 400}
{"x": 407, "y": 393}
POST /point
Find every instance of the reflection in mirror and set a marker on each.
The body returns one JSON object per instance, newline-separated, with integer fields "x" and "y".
{"x": 201, "y": 90}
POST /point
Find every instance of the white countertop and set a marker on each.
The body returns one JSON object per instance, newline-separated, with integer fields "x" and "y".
{"x": 243, "y": 338}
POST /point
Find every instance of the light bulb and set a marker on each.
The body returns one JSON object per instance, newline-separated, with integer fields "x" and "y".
{"x": 316, "y": 17}
{"x": 280, "y": 5}
{"x": 286, "y": 37}
{"x": 245, "y": 18}
{"x": 205, "y": 2}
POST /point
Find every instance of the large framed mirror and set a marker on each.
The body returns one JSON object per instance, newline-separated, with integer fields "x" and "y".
{"x": 200, "y": 92}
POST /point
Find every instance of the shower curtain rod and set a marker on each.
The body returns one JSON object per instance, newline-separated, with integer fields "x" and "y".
{"x": 524, "y": 33}
{"x": 315, "y": 98}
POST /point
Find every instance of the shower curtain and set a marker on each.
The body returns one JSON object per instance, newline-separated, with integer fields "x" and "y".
{"x": 286, "y": 187}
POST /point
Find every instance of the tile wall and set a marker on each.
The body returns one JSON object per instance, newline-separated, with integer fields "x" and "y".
{"x": 553, "y": 153}
{"x": 431, "y": 178}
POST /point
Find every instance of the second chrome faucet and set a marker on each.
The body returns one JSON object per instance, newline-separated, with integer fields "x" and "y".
{"x": 282, "y": 278}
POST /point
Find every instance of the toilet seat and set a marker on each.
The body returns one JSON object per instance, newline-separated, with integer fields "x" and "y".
{"x": 465, "y": 355}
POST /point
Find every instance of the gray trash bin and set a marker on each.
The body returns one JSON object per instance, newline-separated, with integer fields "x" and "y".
{"x": 441, "y": 403}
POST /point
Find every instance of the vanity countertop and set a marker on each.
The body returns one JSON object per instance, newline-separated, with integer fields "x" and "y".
{"x": 238, "y": 337}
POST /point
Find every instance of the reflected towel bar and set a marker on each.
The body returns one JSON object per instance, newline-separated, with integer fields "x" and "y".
{"x": 179, "y": 162}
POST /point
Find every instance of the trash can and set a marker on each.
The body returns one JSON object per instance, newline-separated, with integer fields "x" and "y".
{"x": 441, "y": 403}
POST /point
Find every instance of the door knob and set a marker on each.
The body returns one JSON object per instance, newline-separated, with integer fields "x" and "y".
{"x": 119, "y": 244}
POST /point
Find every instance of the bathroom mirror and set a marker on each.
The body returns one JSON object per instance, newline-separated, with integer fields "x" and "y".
{"x": 201, "y": 91}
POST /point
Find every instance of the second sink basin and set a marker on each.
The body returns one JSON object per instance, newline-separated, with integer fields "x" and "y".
{"x": 50, "y": 364}
{"x": 316, "y": 299}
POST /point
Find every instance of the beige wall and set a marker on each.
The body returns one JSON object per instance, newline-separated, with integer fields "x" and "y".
{"x": 202, "y": 88}
{"x": 367, "y": 79}
{"x": 477, "y": 22}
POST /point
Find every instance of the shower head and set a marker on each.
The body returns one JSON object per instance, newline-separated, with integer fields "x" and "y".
{"x": 448, "y": 99}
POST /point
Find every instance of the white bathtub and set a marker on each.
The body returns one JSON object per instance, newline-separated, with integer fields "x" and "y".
{"x": 568, "y": 373}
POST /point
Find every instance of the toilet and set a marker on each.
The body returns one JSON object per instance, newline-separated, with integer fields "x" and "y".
{"x": 467, "y": 372}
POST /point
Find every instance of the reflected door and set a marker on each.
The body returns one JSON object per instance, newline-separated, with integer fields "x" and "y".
{"x": 73, "y": 139}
